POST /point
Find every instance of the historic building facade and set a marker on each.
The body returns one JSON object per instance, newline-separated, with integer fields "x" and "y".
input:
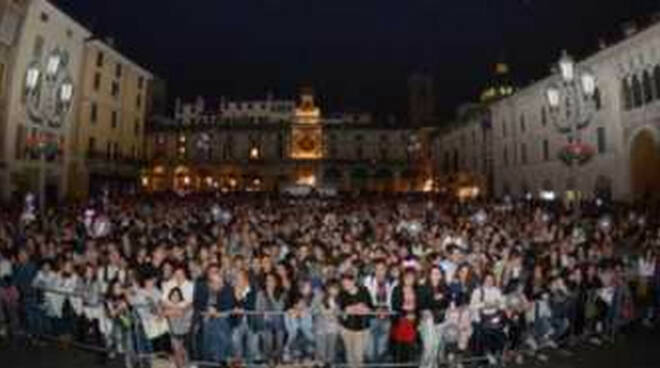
{"x": 41, "y": 102}
{"x": 108, "y": 145}
{"x": 12, "y": 18}
{"x": 227, "y": 154}
{"x": 72, "y": 107}
{"x": 624, "y": 132}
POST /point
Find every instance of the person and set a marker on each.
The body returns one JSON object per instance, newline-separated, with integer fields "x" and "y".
{"x": 180, "y": 311}
{"x": 179, "y": 314}
{"x": 270, "y": 308}
{"x": 302, "y": 305}
{"x": 214, "y": 303}
{"x": 645, "y": 284}
{"x": 435, "y": 301}
{"x": 244, "y": 327}
{"x": 406, "y": 303}
{"x": 93, "y": 324}
{"x": 380, "y": 289}
{"x": 327, "y": 324}
{"x": 355, "y": 304}
{"x": 488, "y": 304}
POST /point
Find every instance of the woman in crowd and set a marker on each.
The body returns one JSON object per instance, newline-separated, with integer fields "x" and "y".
{"x": 487, "y": 303}
{"x": 406, "y": 302}
{"x": 270, "y": 303}
{"x": 435, "y": 299}
{"x": 244, "y": 323}
{"x": 303, "y": 304}
{"x": 327, "y": 324}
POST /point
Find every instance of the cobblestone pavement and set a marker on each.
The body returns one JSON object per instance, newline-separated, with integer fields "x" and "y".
{"x": 640, "y": 349}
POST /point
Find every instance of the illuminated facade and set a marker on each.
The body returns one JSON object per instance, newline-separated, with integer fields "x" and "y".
{"x": 41, "y": 99}
{"x": 108, "y": 144}
{"x": 523, "y": 145}
{"x": 346, "y": 151}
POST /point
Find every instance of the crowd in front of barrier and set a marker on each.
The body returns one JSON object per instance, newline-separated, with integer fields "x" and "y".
{"x": 416, "y": 281}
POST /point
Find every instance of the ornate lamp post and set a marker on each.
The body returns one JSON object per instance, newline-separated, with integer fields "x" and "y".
{"x": 571, "y": 97}
{"x": 48, "y": 96}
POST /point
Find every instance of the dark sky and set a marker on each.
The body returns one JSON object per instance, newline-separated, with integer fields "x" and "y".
{"x": 357, "y": 54}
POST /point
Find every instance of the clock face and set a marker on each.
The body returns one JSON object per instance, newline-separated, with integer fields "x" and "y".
{"x": 307, "y": 143}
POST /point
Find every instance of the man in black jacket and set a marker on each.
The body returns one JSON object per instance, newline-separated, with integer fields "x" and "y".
{"x": 355, "y": 304}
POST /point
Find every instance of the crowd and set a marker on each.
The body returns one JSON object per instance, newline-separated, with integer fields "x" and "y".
{"x": 410, "y": 280}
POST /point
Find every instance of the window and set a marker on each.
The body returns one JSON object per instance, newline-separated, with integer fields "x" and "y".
{"x": 99, "y": 59}
{"x": 108, "y": 150}
{"x": 136, "y": 128}
{"x": 140, "y": 83}
{"x": 91, "y": 146}
{"x": 598, "y": 102}
{"x": 138, "y": 101}
{"x": 648, "y": 87}
{"x": 97, "y": 81}
{"x": 523, "y": 153}
{"x": 474, "y": 137}
{"x": 544, "y": 117}
{"x": 118, "y": 70}
{"x": 656, "y": 81}
{"x": 44, "y": 17}
{"x": 114, "y": 91}
{"x": 69, "y": 33}
{"x": 546, "y": 150}
{"x": 117, "y": 152}
{"x": 601, "y": 140}
{"x": 505, "y": 156}
{"x": 114, "y": 119}
{"x": 504, "y": 129}
{"x": 626, "y": 95}
{"x": 93, "y": 113}
{"x": 636, "y": 92}
{"x": 522, "y": 123}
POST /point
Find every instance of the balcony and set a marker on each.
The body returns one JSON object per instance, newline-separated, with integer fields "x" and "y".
{"x": 97, "y": 160}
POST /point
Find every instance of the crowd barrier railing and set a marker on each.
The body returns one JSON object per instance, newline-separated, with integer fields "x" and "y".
{"x": 136, "y": 349}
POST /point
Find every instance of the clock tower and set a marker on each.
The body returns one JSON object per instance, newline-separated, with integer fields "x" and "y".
{"x": 307, "y": 131}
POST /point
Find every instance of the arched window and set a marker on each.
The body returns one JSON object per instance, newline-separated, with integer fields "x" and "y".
{"x": 636, "y": 92}
{"x": 598, "y": 99}
{"x": 544, "y": 117}
{"x": 626, "y": 94}
{"x": 648, "y": 87}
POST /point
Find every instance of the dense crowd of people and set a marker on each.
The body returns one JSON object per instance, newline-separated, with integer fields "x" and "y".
{"x": 358, "y": 280}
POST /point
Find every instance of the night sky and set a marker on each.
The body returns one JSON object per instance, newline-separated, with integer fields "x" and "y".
{"x": 357, "y": 54}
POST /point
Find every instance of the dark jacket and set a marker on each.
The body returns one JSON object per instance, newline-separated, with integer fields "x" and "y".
{"x": 225, "y": 299}
{"x": 247, "y": 304}
{"x": 431, "y": 303}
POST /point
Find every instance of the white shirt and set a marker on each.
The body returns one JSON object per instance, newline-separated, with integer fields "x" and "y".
{"x": 646, "y": 268}
{"x": 5, "y": 268}
{"x": 187, "y": 289}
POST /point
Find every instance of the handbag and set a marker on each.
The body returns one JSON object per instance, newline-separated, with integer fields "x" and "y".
{"x": 404, "y": 330}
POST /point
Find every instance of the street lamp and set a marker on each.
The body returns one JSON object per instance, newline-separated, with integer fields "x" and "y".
{"x": 571, "y": 97}
{"x": 48, "y": 94}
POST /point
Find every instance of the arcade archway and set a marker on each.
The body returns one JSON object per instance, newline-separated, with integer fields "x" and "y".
{"x": 644, "y": 165}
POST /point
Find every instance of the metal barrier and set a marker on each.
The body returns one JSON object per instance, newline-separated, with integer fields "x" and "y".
{"x": 135, "y": 354}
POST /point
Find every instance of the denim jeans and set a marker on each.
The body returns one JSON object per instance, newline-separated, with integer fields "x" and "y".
{"x": 216, "y": 337}
{"x": 300, "y": 335}
{"x": 379, "y": 335}
{"x": 245, "y": 342}
{"x": 326, "y": 346}
{"x": 433, "y": 344}
{"x": 272, "y": 338}
{"x": 37, "y": 322}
